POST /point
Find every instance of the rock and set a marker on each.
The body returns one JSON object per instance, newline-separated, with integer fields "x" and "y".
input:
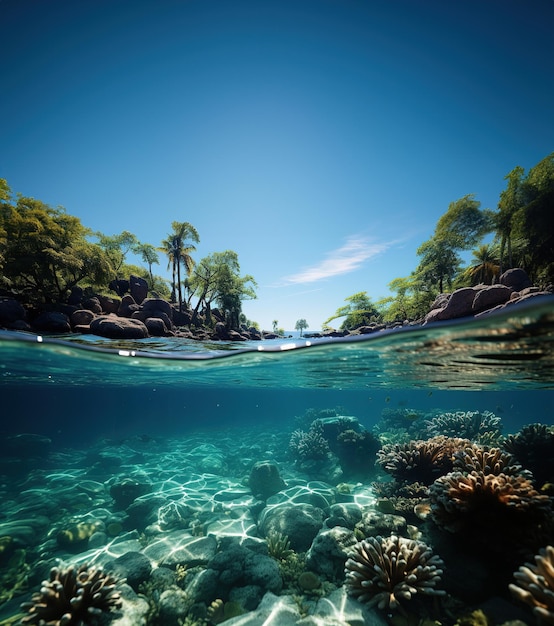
{"x": 52, "y": 322}
{"x": 76, "y": 296}
{"x": 127, "y": 307}
{"x": 134, "y": 609}
{"x": 109, "y": 305}
{"x": 138, "y": 288}
{"x": 121, "y": 287}
{"x": 346, "y": 514}
{"x": 329, "y": 551}
{"x": 248, "y": 597}
{"x": 118, "y": 328}
{"x": 516, "y": 279}
{"x": 157, "y": 305}
{"x": 181, "y": 318}
{"x": 144, "y": 511}
{"x": 220, "y": 331}
{"x": 351, "y": 612}
{"x": 177, "y": 548}
{"x": 135, "y": 567}
{"x": 460, "y": 304}
{"x": 92, "y": 304}
{"x": 299, "y": 522}
{"x": 126, "y": 491}
{"x": 156, "y": 327}
{"x": 82, "y": 317}
{"x": 374, "y": 523}
{"x": 173, "y": 606}
{"x": 491, "y": 296}
{"x": 265, "y": 480}
{"x": 273, "y": 609}
{"x": 11, "y": 311}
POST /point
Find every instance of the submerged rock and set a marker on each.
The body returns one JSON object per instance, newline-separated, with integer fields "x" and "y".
{"x": 265, "y": 480}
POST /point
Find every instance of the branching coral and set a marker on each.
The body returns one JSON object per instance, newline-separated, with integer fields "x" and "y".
{"x": 474, "y": 458}
{"x": 498, "y": 510}
{"x": 533, "y": 447}
{"x": 72, "y": 597}
{"x": 308, "y": 445}
{"x": 388, "y": 572}
{"x": 420, "y": 461}
{"x": 535, "y": 585}
{"x": 478, "y": 426}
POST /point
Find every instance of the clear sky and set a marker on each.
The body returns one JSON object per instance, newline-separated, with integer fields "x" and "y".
{"x": 319, "y": 139}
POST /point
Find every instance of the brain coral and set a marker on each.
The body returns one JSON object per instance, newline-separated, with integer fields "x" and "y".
{"x": 482, "y": 426}
{"x": 387, "y": 572}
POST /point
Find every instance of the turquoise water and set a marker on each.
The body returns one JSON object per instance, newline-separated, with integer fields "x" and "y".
{"x": 90, "y": 396}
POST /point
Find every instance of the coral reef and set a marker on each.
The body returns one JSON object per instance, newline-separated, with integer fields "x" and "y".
{"x": 479, "y": 426}
{"x": 495, "y": 510}
{"x": 535, "y": 585}
{"x": 278, "y": 546}
{"x": 308, "y": 445}
{"x": 356, "y": 452}
{"x": 420, "y": 461}
{"x": 474, "y": 458}
{"x": 388, "y": 572}
{"x": 533, "y": 447}
{"x": 73, "y": 597}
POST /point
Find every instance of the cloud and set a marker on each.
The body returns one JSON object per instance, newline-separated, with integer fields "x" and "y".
{"x": 344, "y": 260}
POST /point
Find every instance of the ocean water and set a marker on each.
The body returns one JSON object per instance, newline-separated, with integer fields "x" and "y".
{"x": 185, "y": 423}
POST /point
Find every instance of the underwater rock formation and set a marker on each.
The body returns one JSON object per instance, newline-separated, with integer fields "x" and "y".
{"x": 389, "y": 572}
{"x": 73, "y": 596}
{"x": 265, "y": 480}
{"x": 533, "y": 447}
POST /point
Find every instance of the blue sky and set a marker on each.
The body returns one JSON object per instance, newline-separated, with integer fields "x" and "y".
{"x": 321, "y": 140}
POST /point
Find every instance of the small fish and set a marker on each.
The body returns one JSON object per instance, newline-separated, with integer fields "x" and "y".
{"x": 387, "y": 399}
{"x": 430, "y": 394}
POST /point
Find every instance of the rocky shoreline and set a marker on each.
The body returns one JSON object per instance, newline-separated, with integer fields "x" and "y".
{"x": 134, "y": 315}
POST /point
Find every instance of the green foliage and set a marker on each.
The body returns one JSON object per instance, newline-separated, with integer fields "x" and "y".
{"x": 117, "y": 247}
{"x": 216, "y": 278}
{"x": 464, "y": 224}
{"x": 178, "y": 246}
{"x": 484, "y": 268}
{"x": 358, "y": 312}
{"x": 44, "y": 252}
{"x": 301, "y": 325}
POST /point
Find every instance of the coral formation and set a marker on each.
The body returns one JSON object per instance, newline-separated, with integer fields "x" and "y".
{"x": 388, "y": 572}
{"x": 356, "y": 452}
{"x": 278, "y": 546}
{"x": 479, "y": 426}
{"x": 474, "y": 458}
{"x": 308, "y": 445}
{"x": 533, "y": 447}
{"x": 73, "y": 597}
{"x": 535, "y": 585}
{"x": 498, "y": 510}
{"x": 420, "y": 461}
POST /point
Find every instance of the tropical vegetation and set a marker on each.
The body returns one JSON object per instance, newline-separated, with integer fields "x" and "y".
{"x": 520, "y": 232}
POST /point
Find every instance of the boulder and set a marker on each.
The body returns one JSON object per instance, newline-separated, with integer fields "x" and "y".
{"x": 181, "y": 318}
{"x": 138, "y": 288}
{"x": 52, "y": 322}
{"x": 299, "y": 522}
{"x": 156, "y": 327}
{"x": 82, "y": 317}
{"x": 490, "y": 296}
{"x": 157, "y": 305}
{"x": 460, "y": 304}
{"x": 118, "y": 327}
{"x": 265, "y": 480}
{"x": 93, "y": 304}
{"x": 135, "y": 567}
{"x": 329, "y": 551}
{"x": 220, "y": 331}
{"x": 76, "y": 296}
{"x": 127, "y": 307}
{"x": 121, "y": 287}
{"x": 10, "y": 311}
{"x": 109, "y": 305}
{"x": 516, "y": 279}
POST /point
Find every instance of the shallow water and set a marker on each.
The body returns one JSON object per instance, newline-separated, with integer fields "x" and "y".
{"x": 186, "y": 411}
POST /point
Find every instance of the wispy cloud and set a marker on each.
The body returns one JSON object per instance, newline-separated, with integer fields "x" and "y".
{"x": 343, "y": 260}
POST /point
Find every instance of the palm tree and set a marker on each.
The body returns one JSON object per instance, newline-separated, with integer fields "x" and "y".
{"x": 178, "y": 251}
{"x": 301, "y": 325}
{"x": 150, "y": 256}
{"x": 485, "y": 267}
{"x": 509, "y": 204}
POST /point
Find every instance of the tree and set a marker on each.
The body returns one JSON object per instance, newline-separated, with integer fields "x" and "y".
{"x": 150, "y": 256}
{"x": 485, "y": 267}
{"x": 178, "y": 251}
{"x": 275, "y": 324}
{"x": 464, "y": 224}
{"x": 301, "y": 324}
{"x": 439, "y": 263}
{"x": 117, "y": 247}
{"x": 45, "y": 252}
{"x": 358, "y": 312}
{"x": 217, "y": 278}
{"x": 510, "y": 202}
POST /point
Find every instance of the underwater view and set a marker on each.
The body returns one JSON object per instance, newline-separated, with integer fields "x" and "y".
{"x": 404, "y": 477}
